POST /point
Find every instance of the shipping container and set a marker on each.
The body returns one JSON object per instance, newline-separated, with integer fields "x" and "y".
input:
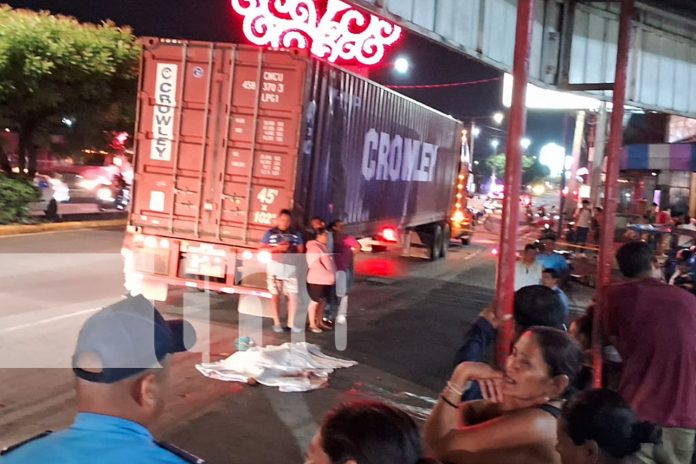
{"x": 228, "y": 135}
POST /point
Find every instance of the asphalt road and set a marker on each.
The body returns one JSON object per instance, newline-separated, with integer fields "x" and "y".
{"x": 406, "y": 319}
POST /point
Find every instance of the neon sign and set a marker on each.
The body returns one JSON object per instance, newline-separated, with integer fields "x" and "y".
{"x": 341, "y": 33}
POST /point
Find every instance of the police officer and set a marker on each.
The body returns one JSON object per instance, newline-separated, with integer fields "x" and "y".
{"x": 122, "y": 364}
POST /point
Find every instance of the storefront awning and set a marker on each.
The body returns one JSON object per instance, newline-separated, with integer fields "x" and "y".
{"x": 659, "y": 157}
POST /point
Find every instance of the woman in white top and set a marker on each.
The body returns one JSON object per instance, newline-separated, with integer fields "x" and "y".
{"x": 321, "y": 276}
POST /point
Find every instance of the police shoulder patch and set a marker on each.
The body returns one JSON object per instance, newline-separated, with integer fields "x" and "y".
{"x": 11, "y": 448}
{"x": 183, "y": 454}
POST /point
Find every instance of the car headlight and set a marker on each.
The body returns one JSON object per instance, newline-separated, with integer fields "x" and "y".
{"x": 104, "y": 194}
{"x": 103, "y": 180}
{"x": 88, "y": 184}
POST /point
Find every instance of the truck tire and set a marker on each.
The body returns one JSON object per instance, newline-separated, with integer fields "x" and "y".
{"x": 446, "y": 235}
{"x": 435, "y": 242}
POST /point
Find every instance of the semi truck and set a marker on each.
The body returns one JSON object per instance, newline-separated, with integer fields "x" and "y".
{"x": 228, "y": 135}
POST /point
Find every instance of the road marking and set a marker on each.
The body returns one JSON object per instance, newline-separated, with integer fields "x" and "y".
{"x": 50, "y": 319}
{"x": 473, "y": 254}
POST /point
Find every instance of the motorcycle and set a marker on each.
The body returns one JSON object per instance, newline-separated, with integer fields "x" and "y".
{"x": 123, "y": 193}
{"x": 547, "y": 226}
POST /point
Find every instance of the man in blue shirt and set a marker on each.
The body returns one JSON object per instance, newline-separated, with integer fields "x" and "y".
{"x": 549, "y": 259}
{"x": 122, "y": 364}
{"x": 551, "y": 279}
{"x": 283, "y": 242}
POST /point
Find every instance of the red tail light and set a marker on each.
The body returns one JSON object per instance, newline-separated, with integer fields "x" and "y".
{"x": 389, "y": 234}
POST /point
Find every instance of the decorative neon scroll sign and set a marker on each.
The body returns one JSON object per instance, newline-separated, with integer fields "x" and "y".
{"x": 341, "y": 33}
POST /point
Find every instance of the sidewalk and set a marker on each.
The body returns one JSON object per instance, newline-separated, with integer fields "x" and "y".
{"x": 19, "y": 229}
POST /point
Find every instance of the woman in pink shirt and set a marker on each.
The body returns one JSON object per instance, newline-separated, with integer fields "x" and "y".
{"x": 321, "y": 276}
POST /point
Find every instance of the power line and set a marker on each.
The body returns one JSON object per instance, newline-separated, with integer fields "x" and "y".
{"x": 440, "y": 86}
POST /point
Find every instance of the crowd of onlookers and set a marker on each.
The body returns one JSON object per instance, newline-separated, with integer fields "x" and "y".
{"x": 329, "y": 255}
{"x": 537, "y": 407}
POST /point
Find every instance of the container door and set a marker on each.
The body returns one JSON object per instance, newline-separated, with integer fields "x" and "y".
{"x": 217, "y": 142}
{"x": 178, "y": 137}
{"x": 264, "y": 116}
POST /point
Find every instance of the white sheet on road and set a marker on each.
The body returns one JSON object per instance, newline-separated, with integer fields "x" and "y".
{"x": 292, "y": 367}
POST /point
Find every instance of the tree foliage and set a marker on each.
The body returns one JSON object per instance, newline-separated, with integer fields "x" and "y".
{"x": 497, "y": 163}
{"x": 15, "y": 195}
{"x": 53, "y": 67}
{"x": 532, "y": 170}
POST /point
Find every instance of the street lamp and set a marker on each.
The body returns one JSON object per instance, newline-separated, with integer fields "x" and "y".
{"x": 525, "y": 142}
{"x": 498, "y": 117}
{"x": 553, "y": 156}
{"x": 401, "y": 65}
{"x": 495, "y": 143}
{"x": 476, "y": 131}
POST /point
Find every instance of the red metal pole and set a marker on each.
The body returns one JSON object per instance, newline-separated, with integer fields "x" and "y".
{"x": 611, "y": 189}
{"x": 505, "y": 289}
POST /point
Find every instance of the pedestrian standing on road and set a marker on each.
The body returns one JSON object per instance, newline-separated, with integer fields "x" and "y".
{"x": 597, "y": 224}
{"x": 528, "y": 269}
{"x": 284, "y": 243}
{"x": 549, "y": 259}
{"x": 122, "y": 365}
{"x": 330, "y": 307}
{"x": 599, "y": 427}
{"x": 517, "y": 420}
{"x": 583, "y": 222}
{"x": 664, "y": 217}
{"x": 318, "y": 224}
{"x": 321, "y": 277}
{"x": 664, "y": 240}
{"x": 366, "y": 432}
{"x": 551, "y": 279}
{"x": 535, "y": 305}
{"x": 651, "y": 214}
{"x": 652, "y": 325}
{"x": 345, "y": 248}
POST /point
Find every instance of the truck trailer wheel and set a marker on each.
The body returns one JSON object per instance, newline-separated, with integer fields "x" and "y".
{"x": 435, "y": 242}
{"x": 446, "y": 236}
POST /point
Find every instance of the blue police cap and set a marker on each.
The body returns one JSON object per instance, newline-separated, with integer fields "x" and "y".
{"x": 127, "y": 338}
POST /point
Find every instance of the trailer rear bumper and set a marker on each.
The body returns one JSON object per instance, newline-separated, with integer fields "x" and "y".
{"x": 152, "y": 264}
{"x": 153, "y": 286}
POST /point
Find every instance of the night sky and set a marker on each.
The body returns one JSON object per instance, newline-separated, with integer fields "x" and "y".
{"x": 214, "y": 20}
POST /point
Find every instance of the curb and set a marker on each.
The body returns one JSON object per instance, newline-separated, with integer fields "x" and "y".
{"x": 19, "y": 229}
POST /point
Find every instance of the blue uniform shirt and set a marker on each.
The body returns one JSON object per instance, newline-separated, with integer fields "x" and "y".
{"x": 564, "y": 299}
{"x": 94, "y": 438}
{"x": 553, "y": 261}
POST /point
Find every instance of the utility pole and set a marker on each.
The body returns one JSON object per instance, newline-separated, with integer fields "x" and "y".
{"x": 598, "y": 158}
{"x": 578, "y": 136}
{"x": 505, "y": 285}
